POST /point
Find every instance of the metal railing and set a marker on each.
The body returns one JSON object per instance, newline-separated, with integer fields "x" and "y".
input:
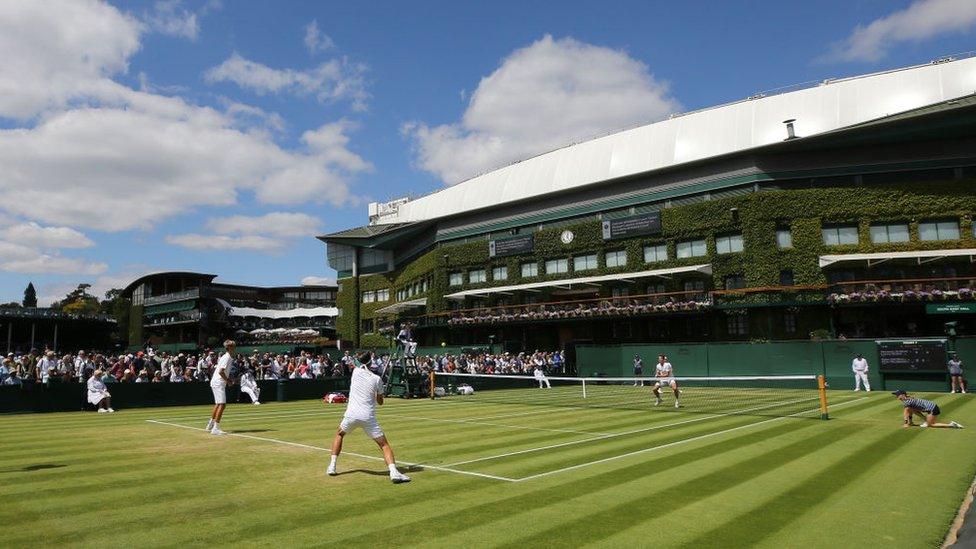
{"x": 179, "y": 318}
{"x": 44, "y": 312}
{"x": 192, "y": 293}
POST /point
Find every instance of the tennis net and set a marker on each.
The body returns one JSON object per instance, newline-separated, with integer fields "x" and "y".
{"x": 748, "y": 395}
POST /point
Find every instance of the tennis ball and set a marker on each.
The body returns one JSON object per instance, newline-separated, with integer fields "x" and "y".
{"x": 443, "y": 344}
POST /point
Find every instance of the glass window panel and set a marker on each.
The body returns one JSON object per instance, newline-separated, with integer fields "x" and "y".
{"x": 530, "y": 269}
{"x": 784, "y": 238}
{"x": 456, "y": 279}
{"x": 617, "y": 258}
{"x": 499, "y": 273}
{"x": 584, "y": 262}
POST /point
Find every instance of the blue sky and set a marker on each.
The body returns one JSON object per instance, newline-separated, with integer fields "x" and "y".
{"x": 220, "y": 136}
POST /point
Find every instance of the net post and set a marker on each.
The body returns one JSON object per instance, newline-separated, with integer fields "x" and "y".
{"x": 584, "y": 388}
{"x": 822, "y": 390}
{"x": 432, "y": 384}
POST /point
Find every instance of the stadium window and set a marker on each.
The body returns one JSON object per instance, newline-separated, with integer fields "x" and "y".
{"x": 383, "y": 295}
{"x": 784, "y": 238}
{"x": 691, "y": 248}
{"x": 620, "y": 292}
{"x": 694, "y": 285}
{"x": 938, "y": 230}
{"x": 840, "y": 235}
{"x": 738, "y": 325}
{"x": 499, "y": 273}
{"x": 367, "y": 325}
{"x": 656, "y": 288}
{"x": 728, "y": 244}
{"x": 477, "y": 275}
{"x": 884, "y": 234}
{"x": 653, "y": 254}
{"x": 580, "y": 263}
{"x": 558, "y": 266}
{"x": 456, "y": 279}
{"x": 789, "y": 323}
{"x": 617, "y": 258}
{"x": 369, "y": 297}
{"x": 735, "y": 282}
{"x": 786, "y": 277}
{"x": 530, "y": 269}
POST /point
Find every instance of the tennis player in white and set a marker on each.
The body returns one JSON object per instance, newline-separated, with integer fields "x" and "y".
{"x": 665, "y": 377}
{"x": 365, "y": 392}
{"x": 540, "y": 376}
{"x": 218, "y": 383}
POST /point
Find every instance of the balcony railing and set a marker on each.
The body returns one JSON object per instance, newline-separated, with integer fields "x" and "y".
{"x": 178, "y": 318}
{"x": 44, "y": 312}
{"x": 620, "y": 306}
{"x": 903, "y": 290}
{"x": 192, "y": 293}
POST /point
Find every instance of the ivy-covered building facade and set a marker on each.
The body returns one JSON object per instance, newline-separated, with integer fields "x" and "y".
{"x": 860, "y": 230}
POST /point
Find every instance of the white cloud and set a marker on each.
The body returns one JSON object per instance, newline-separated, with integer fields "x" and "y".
{"x": 315, "y": 40}
{"x": 55, "y": 51}
{"x": 541, "y": 97}
{"x": 34, "y": 235}
{"x": 279, "y": 224}
{"x": 169, "y": 17}
{"x": 249, "y": 115}
{"x": 333, "y": 80}
{"x": 50, "y": 292}
{"x": 318, "y": 281}
{"x": 18, "y": 258}
{"x": 88, "y": 144}
{"x": 921, "y": 20}
{"x": 222, "y": 243}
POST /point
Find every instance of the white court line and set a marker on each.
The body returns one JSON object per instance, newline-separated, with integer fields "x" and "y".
{"x": 671, "y": 444}
{"x": 635, "y": 431}
{"x": 319, "y": 448}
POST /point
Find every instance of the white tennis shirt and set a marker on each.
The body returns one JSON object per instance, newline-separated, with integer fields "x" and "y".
{"x": 363, "y": 388}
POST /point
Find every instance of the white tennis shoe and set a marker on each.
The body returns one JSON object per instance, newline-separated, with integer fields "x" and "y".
{"x": 955, "y": 425}
{"x": 399, "y": 478}
{"x": 331, "y": 471}
{"x": 217, "y": 431}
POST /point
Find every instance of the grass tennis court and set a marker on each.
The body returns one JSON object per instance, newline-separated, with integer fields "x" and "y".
{"x": 488, "y": 473}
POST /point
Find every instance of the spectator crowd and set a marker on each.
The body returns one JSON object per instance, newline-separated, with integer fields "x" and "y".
{"x": 162, "y": 367}
{"x": 551, "y": 363}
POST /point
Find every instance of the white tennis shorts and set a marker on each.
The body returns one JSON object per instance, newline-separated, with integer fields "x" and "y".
{"x": 220, "y": 395}
{"x": 666, "y": 381}
{"x": 369, "y": 426}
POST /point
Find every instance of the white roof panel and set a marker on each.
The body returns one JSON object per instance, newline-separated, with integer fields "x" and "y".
{"x": 700, "y": 135}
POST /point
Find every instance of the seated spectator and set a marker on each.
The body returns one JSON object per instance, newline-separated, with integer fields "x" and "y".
{"x": 13, "y": 379}
{"x": 98, "y": 394}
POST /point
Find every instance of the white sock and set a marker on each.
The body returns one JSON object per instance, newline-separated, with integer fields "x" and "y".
{"x": 216, "y": 425}
{"x": 393, "y": 469}
{"x": 332, "y": 460}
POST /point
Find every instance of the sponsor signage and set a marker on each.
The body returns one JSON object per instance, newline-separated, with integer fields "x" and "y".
{"x": 921, "y": 355}
{"x": 950, "y": 308}
{"x": 519, "y": 244}
{"x": 632, "y": 225}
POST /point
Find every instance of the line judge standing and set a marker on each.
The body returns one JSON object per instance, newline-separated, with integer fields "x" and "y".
{"x": 860, "y": 367}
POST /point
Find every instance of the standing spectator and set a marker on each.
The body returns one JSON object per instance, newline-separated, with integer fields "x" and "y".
{"x": 98, "y": 394}
{"x": 955, "y": 374}
{"x": 860, "y": 367}
{"x": 46, "y": 366}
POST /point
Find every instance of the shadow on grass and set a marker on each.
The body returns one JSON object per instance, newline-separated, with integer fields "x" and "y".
{"x": 35, "y": 467}
{"x": 364, "y": 471}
